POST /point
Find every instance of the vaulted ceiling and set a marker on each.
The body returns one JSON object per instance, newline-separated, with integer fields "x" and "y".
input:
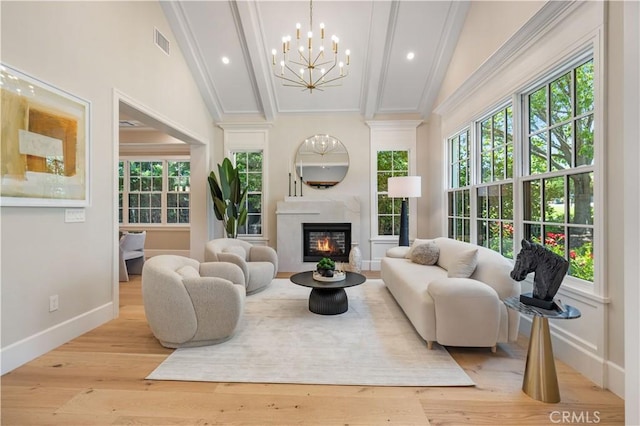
{"x": 379, "y": 34}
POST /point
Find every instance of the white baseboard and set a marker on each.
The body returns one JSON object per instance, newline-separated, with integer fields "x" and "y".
{"x": 19, "y": 353}
{"x": 582, "y": 357}
{"x": 373, "y": 265}
{"x": 615, "y": 379}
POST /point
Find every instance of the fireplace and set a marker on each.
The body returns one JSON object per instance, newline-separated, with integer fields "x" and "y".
{"x": 326, "y": 240}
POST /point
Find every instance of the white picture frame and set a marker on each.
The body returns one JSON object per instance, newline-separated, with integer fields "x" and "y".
{"x": 44, "y": 142}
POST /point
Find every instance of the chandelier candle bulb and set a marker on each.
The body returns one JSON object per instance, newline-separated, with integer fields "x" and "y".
{"x": 310, "y": 60}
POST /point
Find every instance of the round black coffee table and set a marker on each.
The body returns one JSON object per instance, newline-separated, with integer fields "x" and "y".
{"x": 328, "y": 298}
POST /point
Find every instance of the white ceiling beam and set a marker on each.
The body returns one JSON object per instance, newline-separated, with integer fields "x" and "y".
{"x": 446, "y": 47}
{"x": 176, "y": 16}
{"x": 246, "y": 15}
{"x": 381, "y": 29}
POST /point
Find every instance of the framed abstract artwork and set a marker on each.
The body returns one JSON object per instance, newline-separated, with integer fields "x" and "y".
{"x": 45, "y": 132}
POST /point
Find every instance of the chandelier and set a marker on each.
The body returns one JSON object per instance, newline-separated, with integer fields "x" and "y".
{"x": 321, "y": 144}
{"x": 308, "y": 66}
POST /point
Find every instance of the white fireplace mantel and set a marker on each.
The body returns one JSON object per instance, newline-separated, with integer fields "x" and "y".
{"x": 292, "y": 212}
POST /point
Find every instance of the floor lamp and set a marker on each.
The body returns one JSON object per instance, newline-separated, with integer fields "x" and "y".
{"x": 404, "y": 187}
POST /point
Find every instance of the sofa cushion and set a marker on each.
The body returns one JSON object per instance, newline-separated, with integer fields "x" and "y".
{"x": 188, "y": 271}
{"x": 425, "y": 254}
{"x": 399, "y": 252}
{"x": 237, "y": 250}
{"x": 417, "y": 242}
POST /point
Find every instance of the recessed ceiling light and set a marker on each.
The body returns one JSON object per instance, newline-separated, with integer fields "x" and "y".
{"x": 410, "y": 55}
{"x": 225, "y": 60}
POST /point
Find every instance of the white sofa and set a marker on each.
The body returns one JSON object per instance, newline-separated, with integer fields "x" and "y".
{"x": 454, "y": 311}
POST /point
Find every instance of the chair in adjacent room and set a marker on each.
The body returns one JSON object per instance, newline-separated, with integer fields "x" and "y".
{"x": 188, "y": 303}
{"x": 131, "y": 254}
{"x": 258, "y": 263}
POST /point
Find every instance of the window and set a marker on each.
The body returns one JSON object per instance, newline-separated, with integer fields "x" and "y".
{"x": 389, "y": 164}
{"x": 555, "y": 196}
{"x": 154, "y": 191}
{"x": 249, "y": 165}
{"x": 495, "y": 200}
{"x": 459, "y": 207}
{"x": 178, "y": 197}
{"x": 558, "y": 186}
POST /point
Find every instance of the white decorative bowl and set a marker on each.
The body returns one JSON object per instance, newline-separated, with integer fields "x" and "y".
{"x": 337, "y": 276}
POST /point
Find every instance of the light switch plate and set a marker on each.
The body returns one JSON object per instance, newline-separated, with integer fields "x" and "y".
{"x": 74, "y": 215}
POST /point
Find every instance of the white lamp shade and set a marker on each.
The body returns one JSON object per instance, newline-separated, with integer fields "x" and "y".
{"x": 404, "y": 187}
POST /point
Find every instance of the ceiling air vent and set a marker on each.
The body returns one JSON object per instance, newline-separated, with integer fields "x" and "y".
{"x": 161, "y": 41}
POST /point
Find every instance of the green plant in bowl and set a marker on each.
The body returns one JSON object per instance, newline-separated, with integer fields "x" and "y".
{"x": 325, "y": 267}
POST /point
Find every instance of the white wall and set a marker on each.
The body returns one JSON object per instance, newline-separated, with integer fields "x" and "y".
{"x": 286, "y": 135}
{"x": 88, "y": 49}
{"x": 631, "y": 24}
{"x": 488, "y": 25}
{"x": 593, "y": 344}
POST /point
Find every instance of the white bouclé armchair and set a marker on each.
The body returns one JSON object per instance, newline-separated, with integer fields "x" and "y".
{"x": 188, "y": 303}
{"x": 258, "y": 263}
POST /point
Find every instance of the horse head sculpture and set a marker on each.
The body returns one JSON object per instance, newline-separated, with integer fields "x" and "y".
{"x": 549, "y": 269}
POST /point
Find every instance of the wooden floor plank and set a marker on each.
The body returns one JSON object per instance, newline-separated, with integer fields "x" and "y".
{"x": 99, "y": 379}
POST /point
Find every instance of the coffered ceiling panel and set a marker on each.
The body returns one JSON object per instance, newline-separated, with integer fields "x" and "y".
{"x": 379, "y": 34}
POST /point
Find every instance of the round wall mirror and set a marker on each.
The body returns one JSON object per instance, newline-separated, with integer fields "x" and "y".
{"x": 322, "y": 161}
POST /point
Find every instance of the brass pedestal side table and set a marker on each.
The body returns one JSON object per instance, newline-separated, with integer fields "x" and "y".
{"x": 540, "y": 380}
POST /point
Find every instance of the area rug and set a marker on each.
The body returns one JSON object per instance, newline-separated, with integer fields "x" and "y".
{"x": 280, "y": 341}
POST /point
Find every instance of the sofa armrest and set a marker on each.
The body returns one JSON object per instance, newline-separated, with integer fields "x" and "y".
{"x": 398, "y": 252}
{"x": 226, "y": 270}
{"x": 264, "y": 254}
{"x": 236, "y": 260}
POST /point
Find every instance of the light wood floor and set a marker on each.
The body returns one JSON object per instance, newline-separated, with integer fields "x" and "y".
{"x": 98, "y": 379}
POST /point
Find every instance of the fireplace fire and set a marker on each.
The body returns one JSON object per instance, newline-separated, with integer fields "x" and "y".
{"x": 326, "y": 240}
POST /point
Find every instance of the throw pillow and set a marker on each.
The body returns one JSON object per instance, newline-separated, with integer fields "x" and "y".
{"x": 417, "y": 242}
{"x": 425, "y": 254}
{"x": 464, "y": 264}
{"x": 237, "y": 250}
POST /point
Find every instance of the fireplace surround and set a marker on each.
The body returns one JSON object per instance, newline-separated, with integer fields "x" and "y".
{"x": 326, "y": 240}
{"x": 292, "y": 212}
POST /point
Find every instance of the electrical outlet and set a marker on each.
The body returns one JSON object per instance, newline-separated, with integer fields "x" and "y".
{"x": 53, "y": 303}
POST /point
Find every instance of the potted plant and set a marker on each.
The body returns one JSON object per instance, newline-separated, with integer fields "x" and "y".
{"x": 228, "y": 197}
{"x": 326, "y": 267}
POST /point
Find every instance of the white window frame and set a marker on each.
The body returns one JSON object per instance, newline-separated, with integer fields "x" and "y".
{"x": 395, "y": 232}
{"x": 470, "y": 179}
{"x": 262, "y": 216}
{"x": 165, "y": 179}
{"x": 597, "y": 288}
{"x": 251, "y": 137}
{"x": 389, "y": 135}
